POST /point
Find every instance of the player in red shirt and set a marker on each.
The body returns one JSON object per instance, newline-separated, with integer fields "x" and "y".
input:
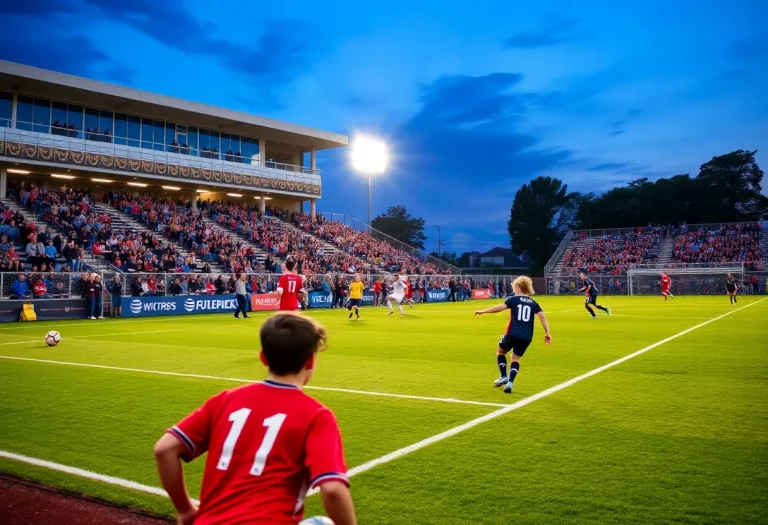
{"x": 289, "y": 286}
{"x": 408, "y": 292}
{"x": 267, "y": 443}
{"x": 666, "y": 283}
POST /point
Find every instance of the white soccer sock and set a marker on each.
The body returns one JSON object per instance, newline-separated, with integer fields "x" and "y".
{"x": 389, "y": 305}
{"x": 400, "y": 307}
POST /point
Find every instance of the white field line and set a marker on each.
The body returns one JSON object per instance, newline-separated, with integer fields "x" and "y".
{"x": 240, "y": 380}
{"x": 393, "y": 455}
{"x": 523, "y": 402}
{"x": 93, "y": 335}
{"x": 111, "y": 480}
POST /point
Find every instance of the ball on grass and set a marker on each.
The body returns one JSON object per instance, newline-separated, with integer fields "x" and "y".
{"x": 316, "y": 520}
{"x": 52, "y": 338}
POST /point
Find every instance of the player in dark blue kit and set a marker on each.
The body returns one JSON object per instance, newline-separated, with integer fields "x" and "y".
{"x": 591, "y": 292}
{"x": 519, "y": 331}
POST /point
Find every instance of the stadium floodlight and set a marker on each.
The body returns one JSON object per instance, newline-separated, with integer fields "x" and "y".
{"x": 18, "y": 172}
{"x": 137, "y": 184}
{"x": 201, "y": 191}
{"x": 60, "y": 176}
{"x": 369, "y": 156}
{"x": 102, "y": 180}
{"x": 234, "y": 195}
{"x": 172, "y": 188}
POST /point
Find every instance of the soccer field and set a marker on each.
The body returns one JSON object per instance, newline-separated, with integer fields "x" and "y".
{"x": 675, "y": 434}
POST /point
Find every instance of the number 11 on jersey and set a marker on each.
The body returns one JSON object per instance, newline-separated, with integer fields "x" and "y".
{"x": 238, "y": 419}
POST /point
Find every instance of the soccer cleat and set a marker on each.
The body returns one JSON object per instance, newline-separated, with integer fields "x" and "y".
{"x": 594, "y": 317}
{"x": 390, "y": 313}
{"x": 608, "y": 311}
{"x": 501, "y": 381}
{"x": 101, "y": 317}
{"x": 508, "y": 388}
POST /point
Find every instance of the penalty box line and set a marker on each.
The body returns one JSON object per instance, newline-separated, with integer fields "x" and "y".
{"x": 240, "y": 380}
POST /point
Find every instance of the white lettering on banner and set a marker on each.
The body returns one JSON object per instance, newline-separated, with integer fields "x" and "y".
{"x": 158, "y": 306}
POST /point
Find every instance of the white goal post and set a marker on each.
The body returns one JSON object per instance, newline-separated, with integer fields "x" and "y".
{"x": 687, "y": 279}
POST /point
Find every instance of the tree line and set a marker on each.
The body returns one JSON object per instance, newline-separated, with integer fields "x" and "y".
{"x": 726, "y": 189}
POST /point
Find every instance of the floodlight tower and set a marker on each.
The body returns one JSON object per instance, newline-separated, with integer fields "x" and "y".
{"x": 369, "y": 156}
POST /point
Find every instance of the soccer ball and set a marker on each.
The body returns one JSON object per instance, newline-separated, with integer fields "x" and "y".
{"x": 52, "y": 338}
{"x": 316, "y": 520}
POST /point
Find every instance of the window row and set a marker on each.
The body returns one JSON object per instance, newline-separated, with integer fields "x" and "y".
{"x": 59, "y": 118}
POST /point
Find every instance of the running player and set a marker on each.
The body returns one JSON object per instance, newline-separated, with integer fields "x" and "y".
{"x": 732, "y": 288}
{"x": 267, "y": 442}
{"x": 591, "y": 292}
{"x": 666, "y": 284}
{"x": 408, "y": 292}
{"x": 355, "y": 297}
{"x": 398, "y": 292}
{"x": 519, "y": 331}
{"x": 289, "y": 287}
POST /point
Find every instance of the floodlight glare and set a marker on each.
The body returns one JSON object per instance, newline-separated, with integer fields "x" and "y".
{"x": 369, "y": 155}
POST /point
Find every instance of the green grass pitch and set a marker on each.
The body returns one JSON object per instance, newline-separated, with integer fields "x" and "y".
{"x": 678, "y": 434}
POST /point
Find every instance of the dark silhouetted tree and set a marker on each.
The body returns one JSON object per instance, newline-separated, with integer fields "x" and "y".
{"x": 398, "y": 223}
{"x": 541, "y": 214}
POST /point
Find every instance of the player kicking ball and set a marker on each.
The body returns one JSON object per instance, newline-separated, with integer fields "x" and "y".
{"x": 666, "y": 284}
{"x": 355, "y": 297}
{"x": 267, "y": 443}
{"x": 519, "y": 331}
{"x": 397, "y": 295}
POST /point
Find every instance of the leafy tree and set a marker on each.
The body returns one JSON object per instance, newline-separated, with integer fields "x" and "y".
{"x": 732, "y": 185}
{"x": 463, "y": 260}
{"x": 727, "y": 188}
{"x": 541, "y": 214}
{"x": 398, "y": 223}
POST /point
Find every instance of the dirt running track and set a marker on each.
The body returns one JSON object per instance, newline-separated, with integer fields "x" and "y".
{"x": 26, "y": 503}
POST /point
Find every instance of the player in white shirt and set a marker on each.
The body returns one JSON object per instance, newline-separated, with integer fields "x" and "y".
{"x": 397, "y": 294}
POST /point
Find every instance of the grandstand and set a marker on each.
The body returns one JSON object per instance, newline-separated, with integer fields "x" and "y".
{"x": 609, "y": 254}
{"x": 148, "y": 183}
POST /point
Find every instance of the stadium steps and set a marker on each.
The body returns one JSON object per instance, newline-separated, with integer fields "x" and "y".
{"x": 259, "y": 252}
{"x": 559, "y": 268}
{"x": 328, "y": 247}
{"x": 665, "y": 255}
{"x": 121, "y": 220}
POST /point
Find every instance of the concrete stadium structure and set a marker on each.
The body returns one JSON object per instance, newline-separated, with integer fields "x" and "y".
{"x": 58, "y": 126}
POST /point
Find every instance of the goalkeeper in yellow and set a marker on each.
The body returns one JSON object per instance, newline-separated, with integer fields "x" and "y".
{"x": 355, "y": 297}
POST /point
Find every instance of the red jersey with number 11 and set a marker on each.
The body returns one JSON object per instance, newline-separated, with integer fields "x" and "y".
{"x": 267, "y": 444}
{"x": 291, "y": 283}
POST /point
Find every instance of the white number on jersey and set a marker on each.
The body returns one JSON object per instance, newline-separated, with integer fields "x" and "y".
{"x": 523, "y": 313}
{"x": 239, "y": 417}
{"x": 291, "y": 286}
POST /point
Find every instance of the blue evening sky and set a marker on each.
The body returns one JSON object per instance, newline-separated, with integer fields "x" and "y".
{"x": 474, "y": 98}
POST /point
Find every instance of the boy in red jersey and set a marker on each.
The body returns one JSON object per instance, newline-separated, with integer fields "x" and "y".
{"x": 666, "y": 283}
{"x": 267, "y": 443}
{"x": 289, "y": 286}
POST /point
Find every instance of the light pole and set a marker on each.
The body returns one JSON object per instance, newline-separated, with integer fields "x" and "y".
{"x": 369, "y": 156}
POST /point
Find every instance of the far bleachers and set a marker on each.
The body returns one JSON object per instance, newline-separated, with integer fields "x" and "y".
{"x": 610, "y": 252}
{"x": 720, "y": 243}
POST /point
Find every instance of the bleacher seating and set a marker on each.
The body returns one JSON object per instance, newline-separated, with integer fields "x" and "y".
{"x": 738, "y": 242}
{"x": 611, "y": 253}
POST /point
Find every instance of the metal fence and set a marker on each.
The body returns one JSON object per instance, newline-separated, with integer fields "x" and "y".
{"x": 89, "y": 142}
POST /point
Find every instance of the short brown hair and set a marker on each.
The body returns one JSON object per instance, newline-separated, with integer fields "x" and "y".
{"x": 525, "y": 284}
{"x": 289, "y": 340}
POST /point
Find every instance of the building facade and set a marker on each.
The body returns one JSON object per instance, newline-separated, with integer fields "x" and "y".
{"x": 99, "y": 134}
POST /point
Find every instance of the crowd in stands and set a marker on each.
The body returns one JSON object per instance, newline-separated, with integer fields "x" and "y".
{"x": 612, "y": 254}
{"x": 720, "y": 244}
{"x": 360, "y": 244}
{"x": 181, "y": 224}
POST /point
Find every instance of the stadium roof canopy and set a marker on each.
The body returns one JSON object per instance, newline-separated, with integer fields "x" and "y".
{"x": 77, "y": 90}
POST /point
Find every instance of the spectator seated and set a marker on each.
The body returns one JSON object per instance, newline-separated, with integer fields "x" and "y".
{"x": 739, "y": 242}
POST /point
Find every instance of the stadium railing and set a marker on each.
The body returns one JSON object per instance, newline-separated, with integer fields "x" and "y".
{"x": 358, "y": 225}
{"x": 558, "y": 252}
{"x": 101, "y": 144}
